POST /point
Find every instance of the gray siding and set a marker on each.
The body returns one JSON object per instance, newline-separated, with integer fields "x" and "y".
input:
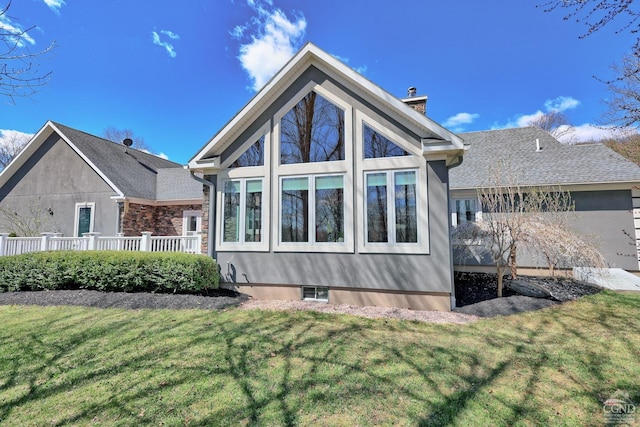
{"x": 427, "y": 273}
{"x": 603, "y": 217}
{"x": 56, "y": 177}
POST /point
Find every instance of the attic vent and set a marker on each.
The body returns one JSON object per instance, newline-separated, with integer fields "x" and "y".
{"x": 412, "y": 91}
{"x": 128, "y": 142}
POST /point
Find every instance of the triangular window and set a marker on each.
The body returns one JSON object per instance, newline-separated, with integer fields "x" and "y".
{"x": 376, "y": 145}
{"x": 312, "y": 131}
{"x": 254, "y": 156}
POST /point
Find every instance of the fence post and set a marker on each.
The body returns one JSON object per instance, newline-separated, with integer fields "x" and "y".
{"x": 3, "y": 243}
{"x": 145, "y": 242}
{"x": 120, "y": 241}
{"x": 198, "y": 248}
{"x": 93, "y": 237}
{"x": 44, "y": 243}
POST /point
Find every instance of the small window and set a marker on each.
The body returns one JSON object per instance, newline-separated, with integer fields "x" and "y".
{"x": 191, "y": 223}
{"x": 254, "y": 156}
{"x": 465, "y": 210}
{"x": 312, "y": 131}
{"x": 378, "y": 146}
{"x": 315, "y": 293}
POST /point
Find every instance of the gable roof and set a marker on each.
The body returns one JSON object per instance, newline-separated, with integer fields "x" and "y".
{"x": 554, "y": 164}
{"x": 435, "y": 138}
{"x": 129, "y": 172}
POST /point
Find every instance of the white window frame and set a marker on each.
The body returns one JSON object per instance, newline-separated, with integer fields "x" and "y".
{"x": 413, "y": 162}
{"x": 241, "y": 244}
{"x": 185, "y": 221}
{"x": 312, "y": 170}
{"x": 453, "y": 210}
{"x": 246, "y": 173}
{"x": 315, "y": 288}
{"x": 312, "y": 246}
{"x": 76, "y": 224}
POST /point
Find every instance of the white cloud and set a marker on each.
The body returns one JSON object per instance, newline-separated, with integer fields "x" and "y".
{"x": 561, "y": 103}
{"x": 457, "y": 122}
{"x": 55, "y": 5}
{"x": 14, "y": 33}
{"x": 556, "y": 105}
{"x": 273, "y": 40}
{"x": 589, "y": 132}
{"x": 170, "y": 34}
{"x": 166, "y": 45}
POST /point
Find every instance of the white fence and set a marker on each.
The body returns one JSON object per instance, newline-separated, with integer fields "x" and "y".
{"x": 93, "y": 241}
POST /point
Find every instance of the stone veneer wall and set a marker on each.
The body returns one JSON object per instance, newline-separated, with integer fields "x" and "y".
{"x": 159, "y": 220}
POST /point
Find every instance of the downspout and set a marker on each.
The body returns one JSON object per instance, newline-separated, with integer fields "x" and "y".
{"x": 453, "y": 286}
{"x": 212, "y": 214}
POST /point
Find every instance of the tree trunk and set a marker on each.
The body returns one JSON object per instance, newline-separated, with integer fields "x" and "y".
{"x": 512, "y": 262}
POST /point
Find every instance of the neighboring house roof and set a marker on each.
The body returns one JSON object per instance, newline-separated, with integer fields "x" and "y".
{"x": 436, "y": 139}
{"x": 129, "y": 172}
{"x": 554, "y": 164}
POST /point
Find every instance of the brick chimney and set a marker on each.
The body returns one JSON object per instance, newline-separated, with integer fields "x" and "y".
{"x": 418, "y": 103}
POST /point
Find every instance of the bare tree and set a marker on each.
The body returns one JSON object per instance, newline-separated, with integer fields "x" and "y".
{"x": 118, "y": 135}
{"x": 596, "y": 14}
{"x": 20, "y": 75}
{"x": 624, "y": 104}
{"x": 10, "y": 145}
{"x": 30, "y": 222}
{"x": 557, "y": 124}
{"x": 626, "y": 146}
{"x": 533, "y": 218}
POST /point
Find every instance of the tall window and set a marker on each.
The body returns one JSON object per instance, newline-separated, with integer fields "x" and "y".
{"x": 391, "y": 206}
{"x": 242, "y": 211}
{"x": 312, "y": 131}
{"x": 84, "y": 218}
{"x": 378, "y": 146}
{"x": 317, "y": 200}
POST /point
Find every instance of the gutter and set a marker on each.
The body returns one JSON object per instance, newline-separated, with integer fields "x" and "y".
{"x": 212, "y": 212}
{"x": 453, "y": 286}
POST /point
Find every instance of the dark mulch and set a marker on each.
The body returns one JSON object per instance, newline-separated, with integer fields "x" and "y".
{"x": 213, "y": 299}
{"x": 477, "y": 293}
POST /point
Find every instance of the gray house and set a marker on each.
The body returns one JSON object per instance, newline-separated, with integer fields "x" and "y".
{"x": 326, "y": 187}
{"x": 71, "y": 182}
{"x": 604, "y": 186}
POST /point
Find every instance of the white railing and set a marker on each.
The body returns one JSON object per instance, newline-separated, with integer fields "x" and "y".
{"x": 93, "y": 241}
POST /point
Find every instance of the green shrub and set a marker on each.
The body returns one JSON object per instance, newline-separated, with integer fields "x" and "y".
{"x": 109, "y": 271}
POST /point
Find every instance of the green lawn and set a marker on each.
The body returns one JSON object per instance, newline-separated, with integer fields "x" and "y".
{"x": 83, "y": 366}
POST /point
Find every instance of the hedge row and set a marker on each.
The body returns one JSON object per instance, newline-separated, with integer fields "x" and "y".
{"x": 109, "y": 271}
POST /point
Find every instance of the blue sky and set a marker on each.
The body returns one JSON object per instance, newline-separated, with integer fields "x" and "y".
{"x": 175, "y": 73}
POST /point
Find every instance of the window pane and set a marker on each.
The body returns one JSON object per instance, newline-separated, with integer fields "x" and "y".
{"x": 84, "y": 220}
{"x": 295, "y": 210}
{"x": 192, "y": 223}
{"x": 253, "y": 211}
{"x": 406, "y": 212}
{"x": 376, "y": 145}
{"x": 312, "y": 131}
{"x": 231, "y": 211}
{"x": 329, "y": 209}
{"x": 377, "y": 208}
{"x": 465, "y": 211}
{"x": 254, "y": 156}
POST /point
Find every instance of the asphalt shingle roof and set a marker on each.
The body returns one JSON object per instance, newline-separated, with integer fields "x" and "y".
{"x": 554, "y": 164}
{"x": 134, "y": 172}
